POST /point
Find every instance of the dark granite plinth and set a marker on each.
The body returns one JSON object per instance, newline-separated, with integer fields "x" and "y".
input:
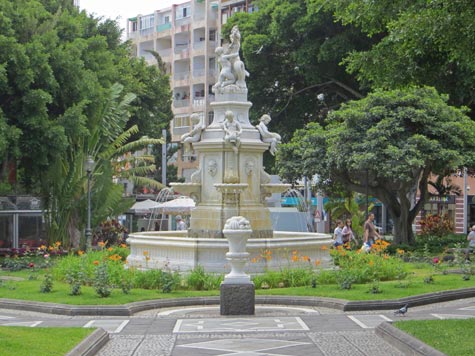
{"x": 237, "y": 299}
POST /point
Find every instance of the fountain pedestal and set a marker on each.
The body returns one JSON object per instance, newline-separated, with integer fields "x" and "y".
{"x": 237, "y": 293}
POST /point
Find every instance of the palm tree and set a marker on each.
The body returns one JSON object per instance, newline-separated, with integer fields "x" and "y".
{"x": 443, "y": 185}
{"x": 101, "y": 137}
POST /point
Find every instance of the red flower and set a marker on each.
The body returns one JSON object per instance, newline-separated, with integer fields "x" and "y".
{"x": 31, "y": 265}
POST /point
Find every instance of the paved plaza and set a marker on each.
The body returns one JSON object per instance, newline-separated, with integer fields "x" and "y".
{"x": 275, "y": 330}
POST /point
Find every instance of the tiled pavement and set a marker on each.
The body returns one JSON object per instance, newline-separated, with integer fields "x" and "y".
{"x": 274, "y": 330}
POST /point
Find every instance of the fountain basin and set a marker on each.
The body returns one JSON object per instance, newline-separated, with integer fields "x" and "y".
{"x": 177, "y": 251}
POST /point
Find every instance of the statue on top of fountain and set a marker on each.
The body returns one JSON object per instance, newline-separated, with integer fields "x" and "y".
{"x": 232, "y": 75}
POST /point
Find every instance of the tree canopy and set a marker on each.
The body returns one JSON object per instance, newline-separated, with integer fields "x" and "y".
{"x": 386, "y": 144}
{"x": 65, "y": 93}
{"x": 293, "y": 54}
{"x": 421, "y": 42}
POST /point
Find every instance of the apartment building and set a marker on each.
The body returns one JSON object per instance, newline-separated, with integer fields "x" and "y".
{"x": 186, "y": 36}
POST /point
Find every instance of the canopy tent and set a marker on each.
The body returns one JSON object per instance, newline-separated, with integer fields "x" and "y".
{"x": 180, "y": 205}
{"x": 144, "y": 207}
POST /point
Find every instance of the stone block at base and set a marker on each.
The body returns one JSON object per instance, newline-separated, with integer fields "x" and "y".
{"x": 237, "y": 299}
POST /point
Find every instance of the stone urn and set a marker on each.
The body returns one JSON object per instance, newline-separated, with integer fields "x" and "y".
{"x": 237, "y": 231}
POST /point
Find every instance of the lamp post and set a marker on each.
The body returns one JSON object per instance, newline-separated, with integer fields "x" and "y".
{"x": 367, "y": 199}
{"x": 465, "y": 200}
{"x": 89, "y": 165}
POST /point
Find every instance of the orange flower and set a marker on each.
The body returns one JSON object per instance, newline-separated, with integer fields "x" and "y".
{"x": 110, "y": 249}
{"x": 306, "y": 258}
{"x": 371, "y": 263}
{"x": 115, "y": 257}
{"x": 42, "y": 247}
{"x": 324, "y": 248}
{"x": 145, "y": 253}
{"x": 400, "y": 251}
{"x": 57, "y": 243}
{"x": 101, "y": 243}
{"x": 80, "y": 252}
{"x": 317, "y": 262}
{"x": 123, "y": 245}
{"x": 96, "y": 262}
{"x": 295, "y": 258}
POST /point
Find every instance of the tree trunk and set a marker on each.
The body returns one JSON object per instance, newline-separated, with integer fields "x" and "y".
{"x": 403, "y": 233}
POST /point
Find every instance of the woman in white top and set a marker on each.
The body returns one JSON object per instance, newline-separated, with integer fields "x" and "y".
{"x": 338, "y": 234}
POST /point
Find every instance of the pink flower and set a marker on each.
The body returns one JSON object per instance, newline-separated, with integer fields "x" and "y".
{"x": 435, "y": 260}
{"x": 46, "y": 255}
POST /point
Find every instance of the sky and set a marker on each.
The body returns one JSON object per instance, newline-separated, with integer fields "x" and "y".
{"x": 124, "y": 9}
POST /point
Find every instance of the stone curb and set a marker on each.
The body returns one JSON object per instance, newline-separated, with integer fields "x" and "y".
{"x": 90, "y": 345}
{"x": 405, "y": 343}
{"x": 132, "y": 308}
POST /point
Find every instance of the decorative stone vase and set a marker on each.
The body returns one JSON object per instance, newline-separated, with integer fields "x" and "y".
{"x": 237, "y": 231}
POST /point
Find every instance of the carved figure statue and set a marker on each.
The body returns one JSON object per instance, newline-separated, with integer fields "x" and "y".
{"x": 232, "y": 68}
{"x": 232, "y": 131}
{"x": 238, "y": 65}
{"x": 195, "y": 134}
{"x": 226, "y": 75}
{"x": 269, "y": 137}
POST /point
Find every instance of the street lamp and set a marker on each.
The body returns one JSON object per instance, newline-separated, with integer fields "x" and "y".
{"x": 89, "y": 165}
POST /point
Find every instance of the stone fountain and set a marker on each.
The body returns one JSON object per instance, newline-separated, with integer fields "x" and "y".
{"x": 230, "y": 181}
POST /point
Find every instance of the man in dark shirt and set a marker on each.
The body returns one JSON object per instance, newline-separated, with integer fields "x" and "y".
{"x": 370, "y": 233}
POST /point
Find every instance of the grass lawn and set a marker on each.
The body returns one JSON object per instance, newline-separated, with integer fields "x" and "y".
{"x": 17, "y": 340}
{"x": 452, "y": 337}
{"x": 441, "y": 334}
{"x": 412, "y": 285}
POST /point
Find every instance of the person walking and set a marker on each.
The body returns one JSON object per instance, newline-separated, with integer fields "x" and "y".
{"x": 370, "y": 232}
{"x": 471, "y": 242}
{"x": 338, "y": 234}
{"x": 347, "y": 232}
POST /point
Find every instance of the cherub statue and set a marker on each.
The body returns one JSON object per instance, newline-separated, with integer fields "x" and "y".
{"x": 269, "y": 137}
{"x": 232, "y": 131}
{"x": 195, "y": 134}
{"x": 226, "y": 75}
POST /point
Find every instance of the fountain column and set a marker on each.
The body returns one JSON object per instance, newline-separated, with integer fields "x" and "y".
{"x": 237, "y": 293}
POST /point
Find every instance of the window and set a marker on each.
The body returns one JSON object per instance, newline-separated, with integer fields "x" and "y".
{"x": 212, "y": 35}
{"x": 147, "y": 22}
{"x": 166, "y": 19}
{"x": 183, "y": 12}
{"x": 181, "y": 121}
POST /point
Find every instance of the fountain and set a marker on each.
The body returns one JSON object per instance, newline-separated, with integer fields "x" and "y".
{"x": 230, "y": 181}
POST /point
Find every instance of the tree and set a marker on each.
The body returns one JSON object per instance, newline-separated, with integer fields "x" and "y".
{"x": 419, "y": 42}
{"x": 65, "y": 83}
{"x": 387, "y": 144}
{"x": 293, "y": 53}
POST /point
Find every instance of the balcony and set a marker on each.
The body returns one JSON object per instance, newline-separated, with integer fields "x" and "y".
{"x": 181, "y": 103}
{"x": 164, "y": 53}
{"x": 181, "y": 48}
{"x": 181, "y": 75}
{"x": 164, "y": 27}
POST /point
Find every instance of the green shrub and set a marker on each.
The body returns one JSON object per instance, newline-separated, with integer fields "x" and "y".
{"x": 198, "y": 279}
{"x": 101, "y": 281}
